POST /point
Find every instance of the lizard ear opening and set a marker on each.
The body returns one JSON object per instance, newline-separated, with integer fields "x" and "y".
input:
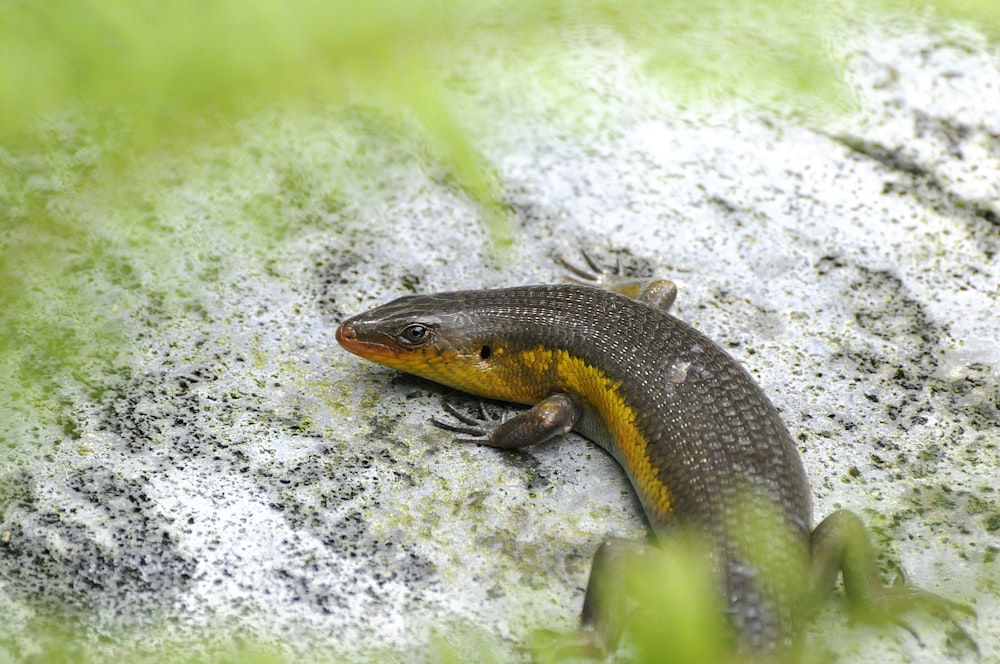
{"x": 485, "y": 352}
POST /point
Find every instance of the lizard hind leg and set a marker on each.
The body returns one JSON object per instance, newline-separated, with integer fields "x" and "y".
{"x": 840, "y": 544}
{"x": 657, "y": 293}
{"x": 661, "y": 598}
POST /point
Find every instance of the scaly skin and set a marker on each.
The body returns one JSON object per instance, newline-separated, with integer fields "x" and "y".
{"x": 701, "y": 444}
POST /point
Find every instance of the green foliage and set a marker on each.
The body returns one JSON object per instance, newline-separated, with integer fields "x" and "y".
{"x": 679, "y": 617}
{"x": 57, "y": 639}
{"x": 171, "y": 63}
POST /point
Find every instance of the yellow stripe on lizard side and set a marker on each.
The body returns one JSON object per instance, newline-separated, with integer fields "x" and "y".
{"x": 590, "y": 382}
{"x": 528, "y": 376}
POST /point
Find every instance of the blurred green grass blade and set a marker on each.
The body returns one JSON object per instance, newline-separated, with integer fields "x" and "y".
{"x": 454, "y": 147}
{"x": 164, "y": 60}
{"x": 679, "y": 616}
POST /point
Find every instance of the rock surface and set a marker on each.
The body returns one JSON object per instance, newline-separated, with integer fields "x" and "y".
{"x": 250, "y": 481}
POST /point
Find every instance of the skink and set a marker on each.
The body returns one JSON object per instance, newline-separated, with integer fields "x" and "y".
{"x": 699, "y": 441}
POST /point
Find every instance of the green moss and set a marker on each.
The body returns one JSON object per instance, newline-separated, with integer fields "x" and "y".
{"x": 992, "y": 522}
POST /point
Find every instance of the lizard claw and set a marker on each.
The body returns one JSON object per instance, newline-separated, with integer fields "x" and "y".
{"x": 899, "y": 598}
{"x": 658, "y": 293}
{"x": 594, "y": 274}
{"x": 476, "y": 427}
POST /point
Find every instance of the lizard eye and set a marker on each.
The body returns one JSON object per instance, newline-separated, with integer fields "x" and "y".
{"x": 414, "y": 334}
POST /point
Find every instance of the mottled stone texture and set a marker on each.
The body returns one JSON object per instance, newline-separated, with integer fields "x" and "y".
{"x": 247, "y": 479}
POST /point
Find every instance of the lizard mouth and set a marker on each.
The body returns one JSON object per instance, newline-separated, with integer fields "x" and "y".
{"x": 347, "y": 337}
